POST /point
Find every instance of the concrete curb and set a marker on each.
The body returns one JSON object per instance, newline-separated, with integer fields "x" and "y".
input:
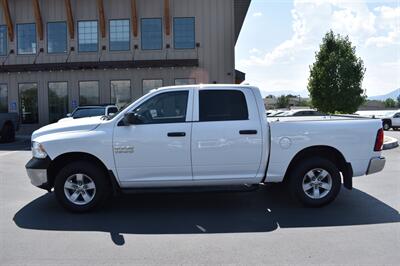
{"x": 390, "y": 143}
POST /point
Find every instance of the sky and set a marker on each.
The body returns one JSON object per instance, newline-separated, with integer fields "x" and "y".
{"x": 279, "y": 39}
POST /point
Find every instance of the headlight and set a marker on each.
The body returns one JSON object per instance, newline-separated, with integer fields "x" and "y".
{"x": 38, "y": 150}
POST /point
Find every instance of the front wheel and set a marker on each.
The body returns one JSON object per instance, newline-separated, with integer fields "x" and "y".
{"x": 386, "y": 126}
{"x": 315, "y": 182}
{"x": 81, "y": 187}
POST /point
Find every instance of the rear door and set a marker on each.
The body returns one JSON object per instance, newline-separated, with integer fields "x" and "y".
{"x": 396, "y": 120}
{"x": 226, "y": 135}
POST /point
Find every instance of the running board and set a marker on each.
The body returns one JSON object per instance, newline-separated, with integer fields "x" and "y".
{"x": 200, "y": 189}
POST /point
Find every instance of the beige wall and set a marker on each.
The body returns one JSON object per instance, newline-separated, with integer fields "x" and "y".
{"x": 214, "y": 31}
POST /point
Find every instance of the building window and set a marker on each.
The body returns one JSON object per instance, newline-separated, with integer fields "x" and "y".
{"x": 57, "y": 37}
{"x": 119, "y": 35}
{"x": 28, "y": 103}
{"x": 26, "y": 38}
{"x": 3, "y": 40}
{"x": 89, "y": 92}
{"x": 185, "y": 81}
{"x": 87, "y": 36}
{"x": 3, "y": 98}
{"x": 120, "y": 92}
{"x": 150, "y": 84}
{"x": 184, "y": 33}
{"x": 222, "y": 105}
{"x": 58, "y": 100}
{"x": 151, "y": 32}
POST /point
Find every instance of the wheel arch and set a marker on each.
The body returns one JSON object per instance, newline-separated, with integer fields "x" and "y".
{"x": 327, "y": 152}
{"x": 60, "y": 161}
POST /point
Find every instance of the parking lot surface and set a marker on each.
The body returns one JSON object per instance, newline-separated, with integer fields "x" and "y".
{"x": 361, "y": 227}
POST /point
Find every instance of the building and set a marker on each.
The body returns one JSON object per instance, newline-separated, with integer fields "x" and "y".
{"x": 58, "y": 54}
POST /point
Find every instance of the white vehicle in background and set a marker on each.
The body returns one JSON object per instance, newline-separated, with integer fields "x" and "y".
{"x": 301, "y": 112}
{"x": 391, "y": 120}
{"x": 200, "y": 136}
{"x": 90, "y": 111}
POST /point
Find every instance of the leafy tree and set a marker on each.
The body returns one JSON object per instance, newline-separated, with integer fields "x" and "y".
{"x": 282, "y": 101}
{"x": 398, "y": 101}
{"x": 336, "y": 76}
{"x": 390, "y": 103}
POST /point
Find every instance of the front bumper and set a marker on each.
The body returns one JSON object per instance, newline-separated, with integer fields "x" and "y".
{"x": 37, "y": 172}
{"x": 376, "y": 164}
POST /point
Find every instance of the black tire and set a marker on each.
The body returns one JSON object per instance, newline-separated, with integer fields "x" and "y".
{"x": 297, "y": 176}
{"x": 386, "y": 126}
{"x": 88, "y": 169}
{"x": 8, "y": 133}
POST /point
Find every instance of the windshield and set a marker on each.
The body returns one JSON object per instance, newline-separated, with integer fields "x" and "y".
{"x": 89, "y": 112}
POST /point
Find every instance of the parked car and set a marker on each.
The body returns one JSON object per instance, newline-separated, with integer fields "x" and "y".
{"x": 391, "y": 120}
{"x": 9, "y": 124}
{"x": 301, "y": 112}
{"x": 90, "y": 111}
{"x": 201, "y": 136}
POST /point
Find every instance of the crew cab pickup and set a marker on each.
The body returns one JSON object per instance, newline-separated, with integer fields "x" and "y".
{"x": 201, "y": 136}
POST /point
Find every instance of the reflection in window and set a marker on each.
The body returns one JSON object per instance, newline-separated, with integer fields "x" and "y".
{"x": 3, "y": 40}
{"x": 120, "y": 92}
{"x": 184, "y": 33}
{"x": 89, "y": 92}
{"x": 167, "y": 107}
{"x": 151, "y": 31}
{"x": 87, "y": 36}
{"x": 26, "y": 38}
{"x": 28, "y": 103}
{"x": 57, "y": 37}
{"x": 185, "y": 81}
{"x": 150, "y": 84}
{"x": 58, "y": 100}
{"x": 119, "y": 35}
{"x": 3, "y": 98}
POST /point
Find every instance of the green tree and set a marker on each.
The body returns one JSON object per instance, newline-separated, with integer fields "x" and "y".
{"x": 282, "y": 101}
{"x": 398, "y": 101}
{"x": 390, "y": 103}
{"x": 336, "y": 76}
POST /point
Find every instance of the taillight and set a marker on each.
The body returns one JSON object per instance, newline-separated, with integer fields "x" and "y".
{"x": 379, "y": 140}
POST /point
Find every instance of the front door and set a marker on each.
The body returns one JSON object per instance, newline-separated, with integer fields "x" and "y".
{"x": 396, "y": 120}
{"x": 157, "y": 149}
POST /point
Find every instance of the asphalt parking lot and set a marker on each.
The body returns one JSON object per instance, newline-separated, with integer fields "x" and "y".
{"x": 361, "y": 227}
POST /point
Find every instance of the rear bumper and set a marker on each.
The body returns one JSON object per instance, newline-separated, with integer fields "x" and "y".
{"x": 376, "y": 164}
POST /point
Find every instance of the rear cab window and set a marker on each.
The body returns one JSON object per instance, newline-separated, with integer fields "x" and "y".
{"x": 222, "y": 105}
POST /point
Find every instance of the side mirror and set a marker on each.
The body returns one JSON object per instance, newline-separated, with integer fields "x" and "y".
{"x": 132, "y": 119}
{"x": 69, "y": 115}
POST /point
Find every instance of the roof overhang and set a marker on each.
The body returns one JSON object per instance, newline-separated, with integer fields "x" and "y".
{"x": 240, "y": 10}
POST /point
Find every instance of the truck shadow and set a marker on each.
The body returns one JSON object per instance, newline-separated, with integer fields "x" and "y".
{"x": 264, "y": 210}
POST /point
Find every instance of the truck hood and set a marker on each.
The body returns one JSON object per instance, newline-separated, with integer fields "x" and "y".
{"x": 81, "y": 124}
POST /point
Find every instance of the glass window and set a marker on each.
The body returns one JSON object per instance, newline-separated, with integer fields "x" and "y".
{"x": 3, "y": 40}
{"x": 58, "y": 100}
{"x": 89, "y": 112}
{"x": 3, "y": 98}
{"x": 184, "y": 33}
{"x": 222, "y": 105}
{"x": 169, "y": 107}
{"x": 89, "y": 92}
{"x": 185, "y": 81}
{"x": 57, "y": 37}
{"x": 28, "y": 103}
{"x": 26, "y": 38}
{"x": 151, "y": 34}
{"x": 119, "y": 35}
{"x": 151, "y": 84}
{"x": 87, "y": 36}
{"x": 120, "y": 92}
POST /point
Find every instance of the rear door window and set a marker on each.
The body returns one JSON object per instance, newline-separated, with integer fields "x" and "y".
{"x": 222, "y": 105}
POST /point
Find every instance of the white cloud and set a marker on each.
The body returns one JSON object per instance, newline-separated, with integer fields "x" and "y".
{"x": 388, "y": 19}
{"x": 257, "y": 14}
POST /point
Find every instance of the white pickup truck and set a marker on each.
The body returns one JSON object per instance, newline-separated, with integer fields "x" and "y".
{"x": 202, "y": 136}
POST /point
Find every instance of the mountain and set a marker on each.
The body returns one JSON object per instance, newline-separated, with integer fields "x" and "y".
{"x": 394, "y": 94}
{"x": 302, "y": 93}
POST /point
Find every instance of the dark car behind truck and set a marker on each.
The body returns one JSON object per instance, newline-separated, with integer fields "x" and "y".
{"x": 9, "y": 124}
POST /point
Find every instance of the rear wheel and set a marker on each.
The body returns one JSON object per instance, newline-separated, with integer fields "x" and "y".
{"x": 386, "y": 126}
{"x": 8, "y": 133}
{"x": 315, "y": 182}
{"x": 81, "y": 187}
